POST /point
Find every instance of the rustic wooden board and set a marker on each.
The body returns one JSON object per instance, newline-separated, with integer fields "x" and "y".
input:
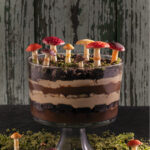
{"x": 74, "y": 20}
{"x": 3, "y": 95}
{"x": 133, "y": 32}
{"x": 16, "y": 32}
{"x": 23, "y": 22}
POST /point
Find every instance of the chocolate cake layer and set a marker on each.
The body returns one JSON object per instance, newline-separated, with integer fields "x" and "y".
{"x": 69, "y": 108}
{"x": 72, "y": 117}
{"x": 37, "y": 72}
{"x": 97, "y": 89}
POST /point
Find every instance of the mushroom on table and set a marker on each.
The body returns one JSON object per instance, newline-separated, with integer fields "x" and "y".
{"x": 68, "y": 47}
{"x": 97, "y": 56}
{"x": 47, "y": 52}
{"x": 34, "y": 49}
{"x": 53, "y": 42}
{"x": 16, "y": 136}
{"x": 116, "y": 48}
{"x": 85, "y": 42}
{"x": 79, "y": 59}
{"x": 134, "y": 144}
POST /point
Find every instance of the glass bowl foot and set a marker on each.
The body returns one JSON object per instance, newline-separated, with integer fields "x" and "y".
{"x": 74, "y": 139}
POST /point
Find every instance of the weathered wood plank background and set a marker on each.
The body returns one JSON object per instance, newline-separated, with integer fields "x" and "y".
{"x": 23, "y": 22}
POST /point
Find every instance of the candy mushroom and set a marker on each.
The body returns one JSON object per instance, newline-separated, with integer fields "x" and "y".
{"x": 68, "y": 47}
{"x": 16, "y": 136}
{"x": 134, "y": 144}
{"x": 116, "y": 48}
{"x": 97, "y": 45}
{"x": 53, "y": 42}
{"x": 79, "y": 59}
{"x": 47, "y": 52}
{"x": 34, "y": 49}
{"x": 85, "y": 42}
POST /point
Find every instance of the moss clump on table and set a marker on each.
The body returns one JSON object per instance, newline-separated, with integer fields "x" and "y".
{"x": 43, "y": 140}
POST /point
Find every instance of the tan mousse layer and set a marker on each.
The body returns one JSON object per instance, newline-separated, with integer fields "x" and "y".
{"x": 76, "y": 102}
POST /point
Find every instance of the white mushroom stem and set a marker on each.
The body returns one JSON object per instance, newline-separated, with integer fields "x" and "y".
{"x": 68, "y": 56}
{"x": 53, "y": 47}
{"x": 134, "y": 147}
{"x": 16, "y": 144}
{"x": 81, "y": 64}
{"x": 46, "y": 60}
{"x": 35, "y": 57}
{"x": 114, "y": 56}
{"x": 86, "y": 53}
{"x": 97, "y": 57}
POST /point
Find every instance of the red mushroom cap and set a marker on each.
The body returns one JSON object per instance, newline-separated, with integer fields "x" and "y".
{"x": 53, "y": 41}
{"x": 33, "y": 47}
{"x": 98, "y": 44}
{"x": 116, "y": 46}
{"x": 134, "y": 142}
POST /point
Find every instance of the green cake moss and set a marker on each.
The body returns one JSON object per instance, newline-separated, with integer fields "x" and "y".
{"x": 43, "y": 140}
{"x": 110, "y": 141}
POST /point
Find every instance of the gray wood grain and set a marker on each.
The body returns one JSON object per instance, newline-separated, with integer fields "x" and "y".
{"x": 149, "y": 55}
{"x": 74, "y": 20}
{"x": 3, "y": 94}
{"x": 17, "y": 31}
{"x": 133, "y": 32}
{"x": 23, "y": 22}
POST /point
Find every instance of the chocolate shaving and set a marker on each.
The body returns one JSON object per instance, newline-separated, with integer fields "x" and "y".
{"x": 79, "y": 58}
{"x": 49, "y": 51}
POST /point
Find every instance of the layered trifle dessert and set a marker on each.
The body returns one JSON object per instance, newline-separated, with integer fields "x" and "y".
{"x": 74, "y": 88}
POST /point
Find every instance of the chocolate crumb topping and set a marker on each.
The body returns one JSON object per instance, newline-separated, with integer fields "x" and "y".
{"x": 61, "y": 71}
{"x": 53, "y": 74}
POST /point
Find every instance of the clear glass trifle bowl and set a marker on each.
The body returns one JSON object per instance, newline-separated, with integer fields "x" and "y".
{"x": 74, "y": 97}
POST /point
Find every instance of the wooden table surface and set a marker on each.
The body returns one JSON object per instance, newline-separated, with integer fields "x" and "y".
{"x": 130, "y": 119}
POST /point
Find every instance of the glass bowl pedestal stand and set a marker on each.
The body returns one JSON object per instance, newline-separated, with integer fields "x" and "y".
{"x": 73, "y": 137}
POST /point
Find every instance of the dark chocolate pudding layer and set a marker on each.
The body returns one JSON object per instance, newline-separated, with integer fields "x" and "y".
{"x": 74, "y": 117}
{"x": 85, "y": 95}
